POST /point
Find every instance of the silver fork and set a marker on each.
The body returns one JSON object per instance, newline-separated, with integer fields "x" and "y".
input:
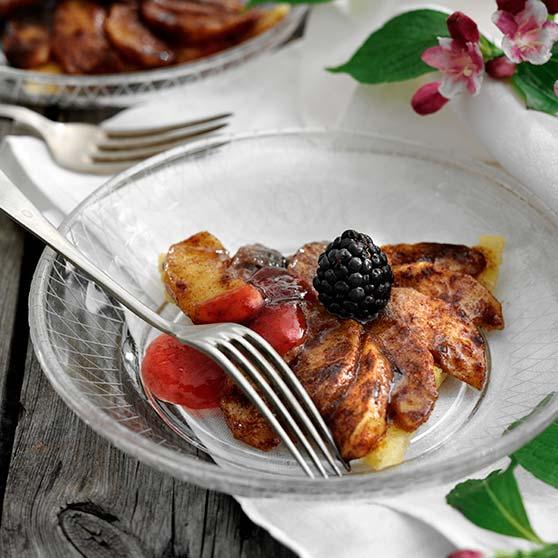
{"x": 245, "y": 356}
{"x": 92, "y": 149}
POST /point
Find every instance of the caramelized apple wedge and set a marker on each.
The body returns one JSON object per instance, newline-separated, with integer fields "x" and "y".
{"x": 195, "y": 272}
{"x": 195, "y": 22}
{"x": 245, "y": 422}
{"x": 465, "y": 293}
{"x": 414, "y": 393}
{"x": 456, "y": 344}
{"x": 358, "y": 423}
{"x": 78, "y": 39}
{"x": 134, "y": 40}
{"x": 26, "y": 43}
{"x": 454, "y": 257}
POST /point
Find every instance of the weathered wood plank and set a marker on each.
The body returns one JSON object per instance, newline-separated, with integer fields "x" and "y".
{"x": 11, "y": 255}
{"x": 69, "y": 493}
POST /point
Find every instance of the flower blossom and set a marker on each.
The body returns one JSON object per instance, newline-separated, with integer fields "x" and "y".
{"x": 556, "y": 88}
{"x": 459, "y": 59}
{"x": 528, "y": 35}
{"x": 500, "y": 68}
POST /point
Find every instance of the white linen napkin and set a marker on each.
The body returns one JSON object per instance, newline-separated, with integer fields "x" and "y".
{"x": 293, "y": 89}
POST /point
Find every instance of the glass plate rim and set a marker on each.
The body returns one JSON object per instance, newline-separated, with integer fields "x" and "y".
{"x": 211, "y": 476}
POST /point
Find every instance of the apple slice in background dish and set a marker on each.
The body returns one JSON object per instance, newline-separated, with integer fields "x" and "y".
{"x": 133, "y": 40}
{"x": 26, "y": 42}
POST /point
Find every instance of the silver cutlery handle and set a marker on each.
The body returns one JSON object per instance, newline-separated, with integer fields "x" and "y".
{"x": 30, "y": 118}
{"x": 21, "y": 210}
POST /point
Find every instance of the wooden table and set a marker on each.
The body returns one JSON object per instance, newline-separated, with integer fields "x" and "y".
{"x": 64, "y": 490}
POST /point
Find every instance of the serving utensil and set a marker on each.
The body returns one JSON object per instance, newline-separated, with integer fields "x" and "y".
{"x": 91, "y": 149}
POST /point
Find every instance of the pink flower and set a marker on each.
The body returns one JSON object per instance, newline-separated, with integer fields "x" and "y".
{"x": 528, "y": 35}
{"x": 556, "y": 88}
{"x": 458, "y": 58}
{"x": 500, "y": 68}
{"x": 427, "y": 99}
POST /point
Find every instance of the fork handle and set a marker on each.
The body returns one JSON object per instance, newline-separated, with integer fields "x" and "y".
{"x": 30, "y": 118}
{"x": 21, "y": 210}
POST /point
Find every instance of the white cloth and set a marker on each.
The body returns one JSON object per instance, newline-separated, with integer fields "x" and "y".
{"x": 293, "y": 89}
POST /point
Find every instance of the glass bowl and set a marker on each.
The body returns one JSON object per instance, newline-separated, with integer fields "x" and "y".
{"x": 128, "y": 88}
{"x": 284, "y": 189}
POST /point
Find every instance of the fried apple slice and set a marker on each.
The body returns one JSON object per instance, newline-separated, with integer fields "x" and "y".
{"x": 134, "y": 40}
{"x": 245, "y": 421}
{"x": 196, "y": 23}
{"x": 454, "y": 257}
{"x": 196, "y": 274}
{"x": 26, "y": 42}
{"x": 79, "y": 42}
{"x": 394, "y": 445}
{"x": 456, "y": 344}
{"x": 359, "y": 420}
{"x": 465, "y": 293}
{"x": 414, "y": 393}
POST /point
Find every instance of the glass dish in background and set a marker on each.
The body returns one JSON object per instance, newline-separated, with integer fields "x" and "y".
{"x": 123, "y": 89}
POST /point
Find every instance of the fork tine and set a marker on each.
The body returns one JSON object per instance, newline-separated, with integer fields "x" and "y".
{"x": 232, "y": 370}
{"x": 159, "y": 138}
{"x": 293, "y": 382}
{"x": 131, "y": 155}
{"x": 276, "y": 403}
{"x": 283, "y": 389}
{"x": 158, "y": 129}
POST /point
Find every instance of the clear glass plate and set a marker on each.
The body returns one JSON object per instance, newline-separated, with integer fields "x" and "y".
{"x": 284, "y": 189}
{"x": 124, "y": 89}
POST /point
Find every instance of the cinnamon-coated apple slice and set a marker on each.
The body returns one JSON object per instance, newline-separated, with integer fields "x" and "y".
{"x": 134, "y": 40}
{"x": 196, "y": 274}
{"x": 456, "y": 344}
{"x": 462, "y": 291}
{"x": 454, "y": 257}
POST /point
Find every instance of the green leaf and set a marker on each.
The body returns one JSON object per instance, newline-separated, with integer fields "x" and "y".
{"x": 536, "y": 85}
{"x": 393, "y": 53}
{"x": 489, "y": 50}
{"x": 260, "y": 2}
{"x": 547, "y": 551}
{"x": 494, "y": 503}
{"x": 540, "y": 456}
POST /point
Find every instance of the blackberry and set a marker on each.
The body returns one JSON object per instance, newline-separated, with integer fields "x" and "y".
{"x": 353, "y": 279}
